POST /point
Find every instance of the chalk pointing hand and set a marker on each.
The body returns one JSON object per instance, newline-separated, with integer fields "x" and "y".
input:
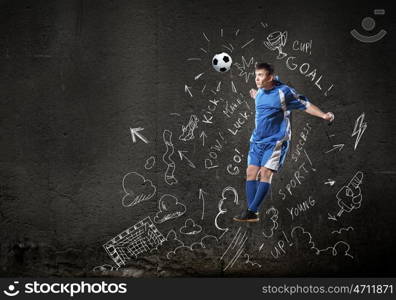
{"x": 253, "y": 93}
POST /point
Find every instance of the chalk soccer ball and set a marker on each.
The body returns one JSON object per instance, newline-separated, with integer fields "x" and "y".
{"x": 222, "y": 62}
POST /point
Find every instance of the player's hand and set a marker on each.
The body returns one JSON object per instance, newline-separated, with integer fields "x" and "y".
{"x": 253, "y": 93}
{"x": 329, "y": 116}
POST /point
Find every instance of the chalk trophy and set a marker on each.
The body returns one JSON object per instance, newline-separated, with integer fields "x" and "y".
{"x": 350, "y": 196}
{"x": 275, "y": 41}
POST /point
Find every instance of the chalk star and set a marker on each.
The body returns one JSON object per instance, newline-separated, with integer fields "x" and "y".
{"x": 243, "y": 68}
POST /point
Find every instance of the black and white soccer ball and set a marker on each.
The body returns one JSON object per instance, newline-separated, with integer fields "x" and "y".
{"x": 222, "y": 62}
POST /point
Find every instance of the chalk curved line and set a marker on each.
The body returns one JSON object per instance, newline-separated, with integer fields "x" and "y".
{"x": 310, "y": 242}
{"x": 341, "y": 229}
{"x": 220, "y": 208}
{"x": 274, "y": 219}
{"x": 150, "y": 162}
{"x": 171, "y": 166}
{"x": 201, "y": 243}
{"x": 334, "y": 250}
{"x": 249, "y": 261}
{"x": 138, "y": 198}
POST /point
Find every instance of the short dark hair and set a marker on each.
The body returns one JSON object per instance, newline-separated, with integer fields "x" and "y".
{"x": 266, "y": 66}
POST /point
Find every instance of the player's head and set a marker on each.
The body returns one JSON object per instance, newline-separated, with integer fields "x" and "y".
{"x": 264, "y": 75}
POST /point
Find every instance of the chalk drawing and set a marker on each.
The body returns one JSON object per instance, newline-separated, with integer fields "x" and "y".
{"x": 172, "y": 237}
{"x": 188, "y": 130}
{"x": 233, "y": 88}
{"x": 135, "y": 133}
{"x": 150, "y": 162}
{"x": 248, "y": 261}
{"x": 342, "y": 229}
{"x": 223, "y": 210}
{"x": 330, "y": 182}
{"x": 169, "y": 208}
{"x": 137, "y": 189}
{"x": 274, "y": 218}
{"x": 350, "y": 196}
{"x": 203, "y": 136}
{"x": 194, "y": 246}
{"x": 204, "y": 35}
{"x": 264, "y": 25}
{"x": 167, "y": 158}
{"x": 305, "y": 47}
{"x": 141, "y": 237}
{"x": 237, "y": 246}
{"x": 198, "y": 76}
{"x": 201, "y": 196}
{"x": 187, "y": 90}
{"x": 246, "y": 69}
{"x": 183, "y": 156}
{"x": 335, "y": 147}
{"x": 190, "y": 228}
{"x": 276, "y": 41}
{"x": 229, "y": 47}
{"x": 247, "y": 43}
{"x": 333, "y": 248}
{"x": 359, "y": 129}
{"x": 218, "y": 87}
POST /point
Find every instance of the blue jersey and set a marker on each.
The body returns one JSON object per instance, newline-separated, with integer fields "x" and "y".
{"x": 273, "y": 109}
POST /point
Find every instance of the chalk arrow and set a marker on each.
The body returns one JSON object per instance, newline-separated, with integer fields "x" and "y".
{"x": 182, "y": 155}
{"x": 201, "y": 194}
{"x": 187, "y": 90}
{"x": 203, "y": 136}
{"x": 331, "y": 217}
{"x": 339, "y": 147}
{"x": 135, "y": 133}
{"x": 201, "y": 197}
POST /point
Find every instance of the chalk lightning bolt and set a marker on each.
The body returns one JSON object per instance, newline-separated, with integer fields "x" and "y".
{"x": 359, "y": 129}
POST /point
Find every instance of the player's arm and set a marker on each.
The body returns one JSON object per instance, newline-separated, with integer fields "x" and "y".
{"x": 295, "y": 101}
{"x": 315, "y": 111}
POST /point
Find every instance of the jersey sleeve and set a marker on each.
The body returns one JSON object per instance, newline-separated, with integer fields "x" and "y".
{"x": 295, "y": 101}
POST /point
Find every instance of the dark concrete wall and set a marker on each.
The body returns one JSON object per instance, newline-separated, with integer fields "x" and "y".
{"x": 77, "y": 75}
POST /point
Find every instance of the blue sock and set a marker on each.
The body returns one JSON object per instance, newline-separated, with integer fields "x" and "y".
{"x": 251, "y": 188}
{"x": 262, "y": 190}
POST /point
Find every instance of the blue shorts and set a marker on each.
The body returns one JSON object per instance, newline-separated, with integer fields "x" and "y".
{"x": 269, "y": 155}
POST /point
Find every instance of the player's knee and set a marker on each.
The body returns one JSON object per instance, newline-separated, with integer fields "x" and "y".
{"x": 251, "y": 173}
{"x": 266, "y": 174}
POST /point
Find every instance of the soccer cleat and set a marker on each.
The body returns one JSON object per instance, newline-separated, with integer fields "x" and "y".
{"x": 247, "y": 216}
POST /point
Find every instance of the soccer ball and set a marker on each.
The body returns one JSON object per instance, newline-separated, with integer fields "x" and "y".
{"x": 222, "y": 62}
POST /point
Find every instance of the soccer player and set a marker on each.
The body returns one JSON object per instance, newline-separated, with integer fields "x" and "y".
{"x": 269, "y": 142}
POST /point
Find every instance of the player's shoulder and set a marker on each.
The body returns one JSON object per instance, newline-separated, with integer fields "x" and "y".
{"x": 284, "y": 87}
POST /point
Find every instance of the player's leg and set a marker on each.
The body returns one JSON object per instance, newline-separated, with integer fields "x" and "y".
{"x": 251, "y": 182}
{"x": 262, "y": 189}
{"x": 272, "y": 161}
{"x": 254, "y": 160}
